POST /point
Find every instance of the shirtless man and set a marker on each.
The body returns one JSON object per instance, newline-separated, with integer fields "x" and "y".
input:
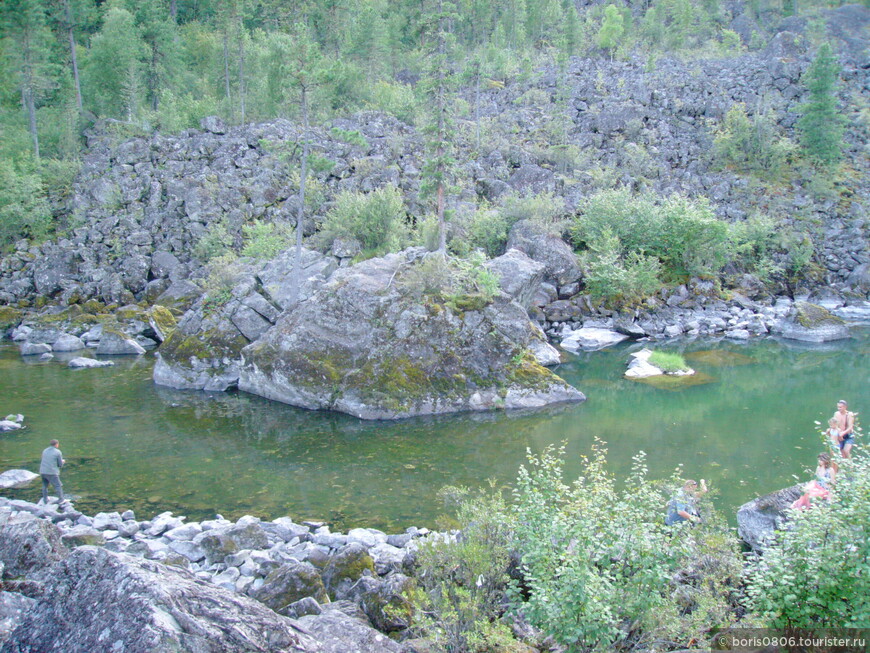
{"x": 846, "y": 425}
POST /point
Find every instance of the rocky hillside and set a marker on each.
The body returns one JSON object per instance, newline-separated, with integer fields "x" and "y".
{"x": 140, "y": 205}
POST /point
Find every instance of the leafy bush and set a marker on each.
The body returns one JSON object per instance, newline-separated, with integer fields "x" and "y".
{"x": 462, "y": 582}
{"x": 461, "y": 283}
{"x": 394, "y": 98}
{"x": 817, "y": 574}
{"x": 752, "y": 145}
{"x": 350, "y": 136}
{"x": 214, "y": 243}
{"x": 24, "y": 211}
{"x": 683, "y": 234}
{"x": 377, "y": 219}
{"x": 545, "y": 209}
{"x": 618, "y": 279}
{"x": 486, "y": 228}
{"x": 265, "y": 240}
{"x": 668, "y": 362}
{"x": 601, "y": 570}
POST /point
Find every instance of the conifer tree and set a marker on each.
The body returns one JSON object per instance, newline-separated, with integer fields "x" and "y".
{"x": 821, "y": 125}
{"x": 438, "y": 87}
{"x": 29, "y": 47}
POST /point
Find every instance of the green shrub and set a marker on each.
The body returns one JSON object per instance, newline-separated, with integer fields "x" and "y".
{"x": 600, "y": 569}
{"x": 683, "y": 234}
{"x": 817, "y": 574}
{"x": 265, "y": 240}
{"x": 377, "y": 219}
{"x": 752, "y": 145}
{"x": 214, "y": 243}
{"x": 394, "y": 98}
{"x": 460, "y": 283}
{"x": 24, "y": 211}
{"x": 617, "y": 279}
{"x": 462, "y": 583}
{"x": 821, "y": 124}
{"x": 350, "y": 136}
{"x": 545, "y": 209}
{"x": 668, "y": 362}
{"x": 486, "y": 228}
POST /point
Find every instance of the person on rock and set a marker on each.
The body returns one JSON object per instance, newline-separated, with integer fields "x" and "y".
{"x": 820, "y": 486}
{"x": 846, "y": 426}
{"x": 49, "y": 469}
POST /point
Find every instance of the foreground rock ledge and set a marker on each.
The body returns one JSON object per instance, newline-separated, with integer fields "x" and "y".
{"x": 369, "y": 345}
{"x": 96, "y": 600}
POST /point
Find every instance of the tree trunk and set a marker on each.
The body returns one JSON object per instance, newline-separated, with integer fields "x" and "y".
{"x": 154, "y": 77}
{"x": 72, "y": 51}
{"x": 300, "y": 215}
{"x": 227, "y": 89}
{"x": 27, "y": 96}
{"x": 241, "y": 28}
{"x": 173, "y": 10}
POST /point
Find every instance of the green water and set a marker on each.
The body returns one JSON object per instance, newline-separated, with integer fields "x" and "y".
{"x": 131, "y": 444}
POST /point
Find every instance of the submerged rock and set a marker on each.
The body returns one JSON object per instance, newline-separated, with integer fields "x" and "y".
{"x": 372, "y": 343}
{"x": 85, "y": 363}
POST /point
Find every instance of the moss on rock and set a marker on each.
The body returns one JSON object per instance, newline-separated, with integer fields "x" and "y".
{"x": 812, "y": 316}
{"x": 9, "y": 317}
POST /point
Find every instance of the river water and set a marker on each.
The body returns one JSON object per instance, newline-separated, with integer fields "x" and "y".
{"x": 749, "y": 429}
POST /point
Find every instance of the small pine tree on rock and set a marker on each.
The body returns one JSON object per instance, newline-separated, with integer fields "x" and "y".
{"x": 821, "y": 125}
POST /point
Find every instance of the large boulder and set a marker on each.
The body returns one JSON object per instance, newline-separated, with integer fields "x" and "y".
{"x": 220, "y": 542}
{"x": 540, "y": 245}
{"x": 96, "y": 600}
{"x": 519, "y": 276}
{"x": 759, "y": 518}
{"x": 812, "y": 323}
{"x": 374, "y": 343}
{"x": 29, "y": 546}
{"x": 591, "y": 339}
{"x": 339, "y": 632}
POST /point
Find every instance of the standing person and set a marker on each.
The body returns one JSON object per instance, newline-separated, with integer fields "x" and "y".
{"x": 684, "y": 505}
{"x": 49, "y": 469}
{"x": 846, "y": 425}
{"x": 833, "y": 434}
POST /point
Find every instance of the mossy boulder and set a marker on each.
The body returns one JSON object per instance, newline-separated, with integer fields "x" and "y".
{"x": 162, "y": 322}
{"x": 374, "y": 344}
{"x": 348, "y": 565}
{"x": 812, "y": 323}
{"x": 9, "y": 317}
{"x": 289, "y": 583}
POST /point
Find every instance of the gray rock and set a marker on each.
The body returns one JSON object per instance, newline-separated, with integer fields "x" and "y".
{"x": 213, "y": 124}
{"x": 289, "y": 583}
{"x": 82, "y": 536}
{"x": 367, "y": 345}
{"x": 556, "y": 255}
{"x": 16, "y": 478}
{"x": 109, "y": 601}
{"x": 85, "y": 363}
{"x": 302, "y": 607}
{"x": 276, "y": 275}
{"x": 104, "y": 520}
{"x": 13, "y": 607}
{"x": 337, "y": 632}
{"x": 29, "y": 546}
{"x": 68, "y": 342}
{"x": 519, "y": 276}
{"x": 220, "y": 542}
{"x": 591, "y": 339}
{"x": 812, "y": 323}
{"x": 346, "y": 567}
{"x": 113, "y": 343}
{"x": 758, "y": 519}
{"x": 35, "y": 348}
{"x": 163, "y": 263}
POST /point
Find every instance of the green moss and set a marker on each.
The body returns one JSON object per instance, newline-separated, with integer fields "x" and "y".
{"x": 211, "y": 344}
{"x": 66, "y": 315}
{"x": 163, "y": 318}
{"x": 811, "y": 316}
{"x": 668, "y": 362}
{"x": 131, "y": 313}
{"x": 93, "y": 307}
{"x": 525, "y": 371}
{"x": 40, "y": 302}
{"x": 9, "y": 317}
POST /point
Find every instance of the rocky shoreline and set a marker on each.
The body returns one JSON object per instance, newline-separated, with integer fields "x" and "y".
{"x": 345, "y": 589}
{"x": 74, "y": 581}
